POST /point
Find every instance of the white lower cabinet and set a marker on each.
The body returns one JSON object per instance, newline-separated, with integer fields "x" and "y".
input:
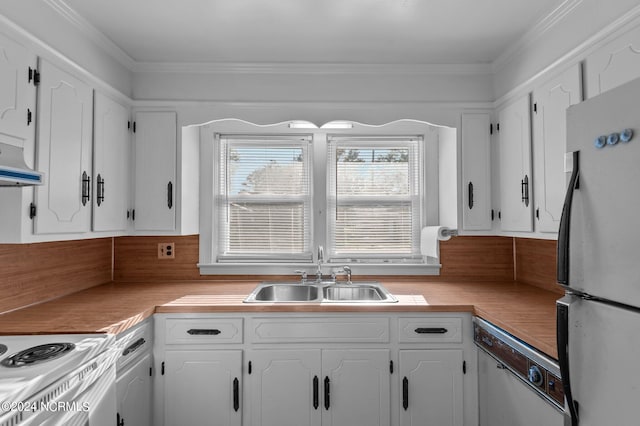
{"x": 202, "y": 387}
{"x": 133, "y": 390}
{"x": 432, "y": 387}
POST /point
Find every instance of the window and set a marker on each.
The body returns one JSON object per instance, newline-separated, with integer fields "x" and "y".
{"x": 375, "y": 198}
{"x": 264, "y": 198}
{"x": 270, "y": 195}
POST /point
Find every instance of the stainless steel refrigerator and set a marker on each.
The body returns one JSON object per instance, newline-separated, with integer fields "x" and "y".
{"x": 599, "y": 261}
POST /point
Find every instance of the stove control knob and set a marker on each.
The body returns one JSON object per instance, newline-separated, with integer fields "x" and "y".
{"x": 535, "y": 376}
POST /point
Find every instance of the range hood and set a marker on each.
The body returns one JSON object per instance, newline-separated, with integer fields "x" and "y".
{"x": 13, "y": 170}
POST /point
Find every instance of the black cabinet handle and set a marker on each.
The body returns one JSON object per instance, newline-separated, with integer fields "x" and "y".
{"x": 86, "y": 188}
{"x": 524, "y": 189}
{"x": 203, "y": 332}
{"x": 431, "y": 330}
{"x": 405, "y": 393}
{"x": 170, "y": 195}
{"x": 470, "y": 189}
{"x": 327, "y": 393}
{"x": 99, "y": 190}
{"x": 134, "y": 346}
{"x": 119, "y": 420}
{"x": 316, "y": 390}
{"x": 236, "y": 394}
{"x": 565, "y": 223}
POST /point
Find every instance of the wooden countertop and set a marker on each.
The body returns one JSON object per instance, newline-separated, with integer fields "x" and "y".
{"x": 525, "y": 311}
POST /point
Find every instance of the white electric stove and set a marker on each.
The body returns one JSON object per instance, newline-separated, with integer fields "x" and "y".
{"x": 57, "y": 379}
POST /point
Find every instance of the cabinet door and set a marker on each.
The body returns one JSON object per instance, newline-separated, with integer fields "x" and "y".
{"x": 505, "y": 400}
{"x": 515, "y": 167}
{"x": 155, "y": 174}
{"x": 17, "y": 94}
{"x": 285, "y": 387}
{"x": 613, "y": 64}
{"x": 431, "y": 388}
{"x": 476, "y": 172}
{"x": 551, "y": 101}
{"x": 201, "y": 388}
{"x": 63, "y": 152}
{"x": 133, "y": 392}
{"x": 110, "y": 165}
{"x": 356, "y": 387}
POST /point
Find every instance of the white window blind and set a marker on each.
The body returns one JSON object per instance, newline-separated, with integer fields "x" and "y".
{"x": 264, "y": 198}
{"x": 375, "y": 198}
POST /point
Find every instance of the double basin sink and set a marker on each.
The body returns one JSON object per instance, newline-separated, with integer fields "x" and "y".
{"x": 321, "y": 292}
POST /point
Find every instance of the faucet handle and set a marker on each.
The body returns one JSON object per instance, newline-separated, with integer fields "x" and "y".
{"x": 303, "y": 274}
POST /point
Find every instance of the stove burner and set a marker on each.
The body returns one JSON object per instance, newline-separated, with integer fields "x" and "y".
{"x": 37, "y": 354}
{"x": 3, "y": 348}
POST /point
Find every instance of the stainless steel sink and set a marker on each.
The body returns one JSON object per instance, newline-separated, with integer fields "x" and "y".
{"x": 323, "y": 292}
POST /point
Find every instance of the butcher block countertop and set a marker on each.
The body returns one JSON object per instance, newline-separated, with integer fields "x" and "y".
{"x": 525, "y": 311}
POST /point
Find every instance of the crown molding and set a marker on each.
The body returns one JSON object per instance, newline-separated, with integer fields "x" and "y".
{"x": 309, "y": 68}
{"x": 95, "y": 35}
{"x": 538, "y": 30}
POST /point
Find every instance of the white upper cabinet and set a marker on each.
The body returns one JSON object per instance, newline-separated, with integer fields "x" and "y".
{"x": 155, "y": 171}
{"x": 515, "y": 166}
{"x": 111, "y": 168}
{"x": 65, "y": 106}
{"x": 551, "y": 101}
{"x": 476, "y": 172}
{"x": 613, "y": 64}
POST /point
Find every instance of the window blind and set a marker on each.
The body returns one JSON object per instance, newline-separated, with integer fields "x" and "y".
{"x": 375, "y": 198}
{"x": 264, "y": 198}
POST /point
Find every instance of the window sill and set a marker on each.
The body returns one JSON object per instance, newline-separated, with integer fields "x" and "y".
{"x": 290, "y": 268}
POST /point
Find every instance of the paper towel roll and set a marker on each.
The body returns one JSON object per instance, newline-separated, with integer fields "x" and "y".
{"x": 430, "y": 238}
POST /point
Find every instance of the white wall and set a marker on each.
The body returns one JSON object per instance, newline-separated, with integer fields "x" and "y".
{"x": 46, "y": 28}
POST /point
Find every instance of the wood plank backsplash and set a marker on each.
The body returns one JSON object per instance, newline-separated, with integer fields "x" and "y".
{"x": 34, "y": 273}
{"x": 464, "y": 258}
{"x": 536, "y": 263}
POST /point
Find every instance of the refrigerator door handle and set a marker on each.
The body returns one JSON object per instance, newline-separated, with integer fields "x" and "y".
{"x": 565, "y": 223}
{"x": 562, "y": 318}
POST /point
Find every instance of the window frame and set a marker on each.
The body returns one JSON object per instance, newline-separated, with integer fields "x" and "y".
{"x": 209, "y": 150}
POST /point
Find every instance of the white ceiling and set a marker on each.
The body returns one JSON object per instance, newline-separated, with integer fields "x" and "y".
{"x": 311, "y": 31}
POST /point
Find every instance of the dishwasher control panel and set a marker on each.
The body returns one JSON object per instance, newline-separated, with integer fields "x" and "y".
{"x": 531, "y": 366}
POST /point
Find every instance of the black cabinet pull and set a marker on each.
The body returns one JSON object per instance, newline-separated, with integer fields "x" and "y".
{"x": 236, "y": 394}
{"x": 170, "y": 195}
{"x": 86, "y": 188}
{"x": 134, "y": 346}
{"x": 119, "y": 420}
{"x": 316, "y": 390}
{"x": 203, "y": 332}
{"x": 470, "y": 188}
{"x": 327, "y": 393}
{"x": 405, "y": 393}
{"x": 99, "y": 190}
{"x": 431, "y": 330}
{"x": 524, "y": 189}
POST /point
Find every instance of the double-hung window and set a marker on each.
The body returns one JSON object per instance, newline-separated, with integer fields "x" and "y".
{"x": 375, "y": 198}
{"x": 263, "y": 199}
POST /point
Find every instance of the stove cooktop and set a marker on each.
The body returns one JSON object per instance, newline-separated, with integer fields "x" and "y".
{"x": 37, "y": 354}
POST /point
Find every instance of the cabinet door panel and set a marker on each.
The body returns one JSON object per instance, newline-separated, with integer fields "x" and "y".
{"x": 199, "y": 388}
{"x": 111, "y": 164}
{"x": 64, "y": 151}
{"x": 155, "y": 175}
{"x": 359, "y": 387}
{"x": 133, "y": 391}
{"x": 549, "y": 145}
{"x": 434, "y": 384}
{"x": 515, "y": 167}
{"x": 282, "y": 387}
{"x": 476, "y": 172}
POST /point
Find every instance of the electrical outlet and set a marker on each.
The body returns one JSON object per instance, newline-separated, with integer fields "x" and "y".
{"x": 166, "y": 251}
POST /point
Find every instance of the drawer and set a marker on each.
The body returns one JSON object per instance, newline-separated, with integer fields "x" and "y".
{"x": 430, "y": 330}
{"x": 295, "y": 330}
{"x": 133, "y": 344}
{"x": 205, "y": 331}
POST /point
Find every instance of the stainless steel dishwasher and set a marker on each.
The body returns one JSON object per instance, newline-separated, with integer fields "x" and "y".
{"x": 517, "y": 384}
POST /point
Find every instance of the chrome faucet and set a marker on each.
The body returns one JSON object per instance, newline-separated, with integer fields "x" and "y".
{"x": 320, "y": 262}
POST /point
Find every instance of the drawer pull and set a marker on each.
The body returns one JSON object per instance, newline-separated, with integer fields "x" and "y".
{"x": 203, "y": 332}
{"x": 487, "y": 341}
{"x": 134, "y": 346}
{"x": 431, "y": 330}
